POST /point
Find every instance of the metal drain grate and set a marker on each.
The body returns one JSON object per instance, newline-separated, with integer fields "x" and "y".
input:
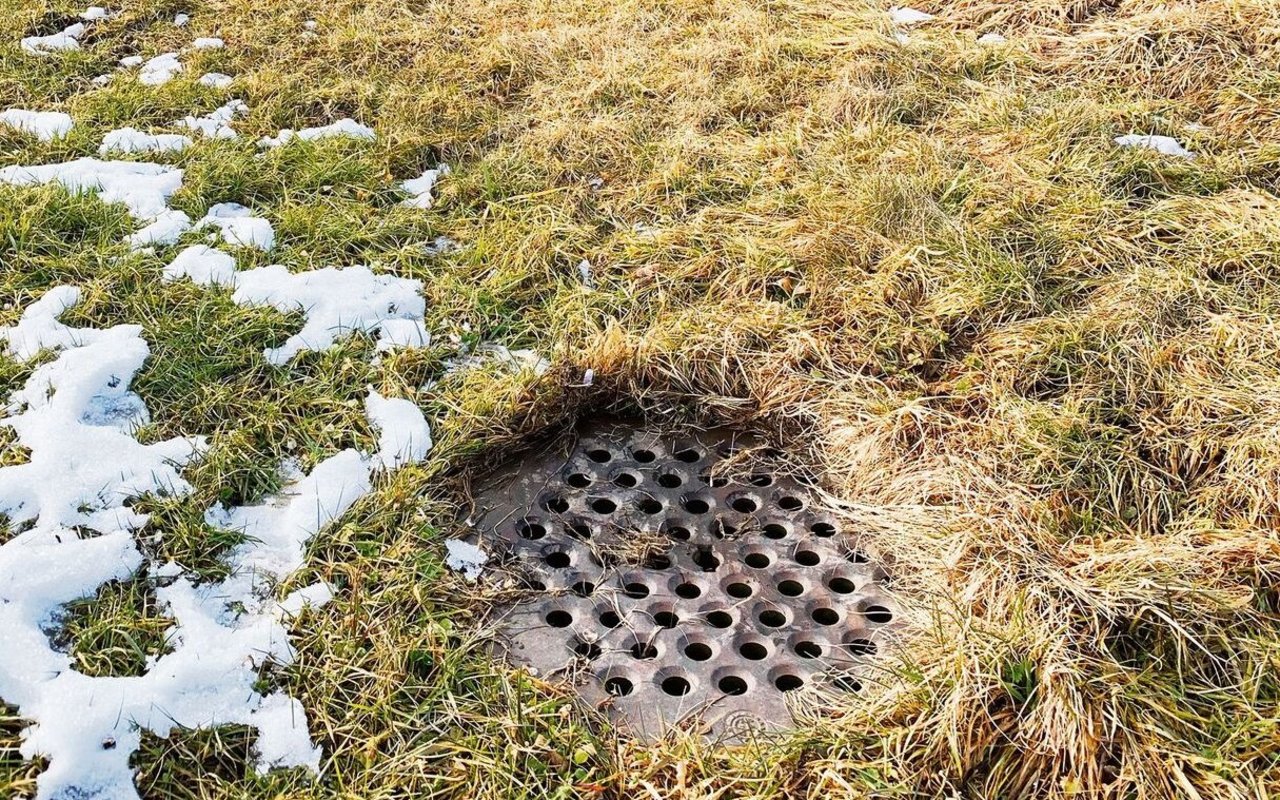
{"x": 685, "y": 575}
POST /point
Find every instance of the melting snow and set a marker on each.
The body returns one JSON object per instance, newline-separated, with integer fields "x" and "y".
{"x": 160, "y": 69}
{"x": 217, "y": 123}
{"x": 1161, "y": 144}
{"x": 131, "y": 61}
{"x": 132, "y": 140}
{"x": 180, "y": 20}
{"x": 343, "y": 127}
{"x": 908, "y": 16}
{"x": 465, "y": 557}
{"x": 204, "y": 265}
{"x": 991, "y": 38}
{"x": 68, "y": 39}
{"x": 403, "y": 434}
{"x": 421, "y": 187}
{"x": 94, "y": 13}
{"x": 44, "y": 125}
{"x": 216, "y": 80}
{"x": 239, "y": 227}
{"x": 208, "y": 43}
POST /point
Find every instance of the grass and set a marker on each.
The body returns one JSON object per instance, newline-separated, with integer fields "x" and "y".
{"x": 1041, "y": 372}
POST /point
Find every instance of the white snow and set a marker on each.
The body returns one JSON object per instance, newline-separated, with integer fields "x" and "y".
{"x": 208, "y": 43}
{"x": 180, "y": 20}
{"x": 407, "y": 333}
{"x": 166, "y": 228}
{"x": 94, "y": 13}
{"x": 991, "y": 38}
{"x": 217, "y": 123}
{"x": 215, "y": 80}
{"x": 421, "y": 187}
{"x": 1166, "y": 145}
{"x": 202, "y": 264}
{"x": 465, "y": 557}
{"x": 441, "y": 246}
{"x": 239, "y": 227}
{"x": 132, "y": 140}
{"x": 75, "y": 415}
{"x": 403, "y": 434}
{"x": 160, "y": 70}
{"x": 44, "y": 125}
{"x": 68, "y": 39}
{"x": 131, "y": 61}
{"x": 908, "y": 16}
{"x": 310, "y": 25}
{"x": 344, "y": 127}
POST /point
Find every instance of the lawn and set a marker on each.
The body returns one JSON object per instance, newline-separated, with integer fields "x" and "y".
{"x": 1039, "y": 370}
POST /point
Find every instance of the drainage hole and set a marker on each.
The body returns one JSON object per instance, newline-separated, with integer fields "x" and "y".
{"x": 618, "y": 687}
{"x": 658, "y": 561}
{"x": 807, "y": 558}
{"x": 648, "y": 505}
{"x": 861, "y": 647}
{"x": 698, "y": 651}
{"x": 688, "y": 591}
{"x": 788, "y": 683}
{"x": 603, "y": 505}
{"x": 600, "y": 456}
{"x": 559, "y": 619}
{"x": 676, "y": 686}
{"x": 720, "y": 619}
{"x": 856, "y": 556}
{"x": 714, "y": 481}
{"x": 578, "y": 480}
{"x": 556, "y": 504}
{"x": 636, "y": 589}
{"x": 773, "y": 618}
{"x": 825, "y": 616}
{"x": 808, "y": 649}
{"x": 753, "y": 650}
{"x": 679, "y": 532}
{"x": 528, "y": 529}
{"x": 696, "y": 505}
{"x": 791, "y": 588}
{"x": 823, "y": 529}
{"x": 643, "y": 456}
{"x": 757, "y": 560}
{"x": 878, "y": 614}
{"x": 841, "y": 585}
{"x": 557, "y": 559}
{"x": 588, "y": 650}
{"x": 744, "y": 505}
{"x": 688, "y": 455}
{"x": 583, "y": 588}
{"x": 625, "y": 479}
{"x": 535, "y": 584}
{"x": 669, "y": 480}
{"x": 790, "y": 503}
{"x": 760, "y": 480}
{"x": 610, "y": 618}
{"x": 774, "y": 531}
{"x": 732, "y": 684}
{"x": 846, "y": 683}
{"x": 706, "y": 560}
{"x": 579, "y": 530}
{"x": 738, "y": 590}
{"x": 666, "y": 619}
{"x": 643, "y": 651}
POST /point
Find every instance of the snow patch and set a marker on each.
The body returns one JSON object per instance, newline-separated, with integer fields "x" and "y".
{"x": 68, "y": 39}
{"x": 217, "y": 123}
{"x": 991, "y": 38}
{"x": 160, "y": 70}
{"x": 215, "y": 80}
{"x": 94, "y": 13}
{"x": 422, "y": 186}
{"x": 403, "y": 434}
{"x": 465, "y": 557}
{"x": 202, "y": 264}
{"x": 132, "y": 140}
{"x": 208, "y": 43}
{"x": 180, "y": 20}
{"x": 44, "y": 125}
{"x": 1166, "y": 145}
{"x": 238, "y": 226}
{"x": 908, "y": 16}
{"x": 342, "y": 128}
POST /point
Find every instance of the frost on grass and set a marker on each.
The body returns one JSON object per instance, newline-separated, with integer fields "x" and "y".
{"x": 132, "y": 140}
{"x": 403, "y": 434}
{"x": 44, "y": 125}
{"x": 421, "y": 187}
{"x": 144, "y": 189}
{"x": 238, "y": 226}
{"x": 1166, "y": 145}
{"x": 217, "y": 123}
{"x": 76, "y": 415}
{"x": 465, "y": 557}
{"x": 348, "y": 128}
{"x": 67, "y": 39}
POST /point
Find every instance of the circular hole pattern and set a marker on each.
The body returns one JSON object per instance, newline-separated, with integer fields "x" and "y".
{"x": 626, "y": 479}
{"x": 688, "y": 455}
{"x": 583, "y": 588}
{"x": 744, "y": 504}
{"x": 579, "y": 530}
{"x": 688, "y": 591}
{"x": 757, "y": 560}
{"x": 878, "y": 614}
{"x": 530, "y": 529}
{"x": 790, "y": 588}
{"x": 823, "y": 529}
{"x": 707, "y": 560}
{"x": 790, "y": 503}
{"x": 578, "y": 480}
{"x": 846, "y": 683}
{"x": 841, "y": 585}
{"x": 619, "y": 686}
{"x": 678, "y": 532}
{"x": 644, "y": 651}
{"x": 696, "y": 505}
{"x": 600, "y": 455}
{"x": 636, "y": 590}
{"x": 609, "y": 618}
{"x": 760, "y": 479}
{"x": 732, "y": 684}
{"x": 720, "y": 619}
{"x": 774, "y": 531}
{"x": 556, "y": 504}
{"x": 644, "y": 456}
{"x": 666, "y": 619}
{"x": 861, "y": 647}
{"x": 738, "y": 590}
{"x": 588, "y": 650}
{"x": 603, "y": 505}
{"x": 698, "y": 651}
{"x": 649, "y": 505}
{"x": 825, "y": 616}
{"x": 773, "y": 618}
{"x": 786, "y": 682}
{"x": 676, "y": 686}
{"x": 669, "y": 480}
{"x": 557, "y": 559}
{"x": 559, "y": 618}
{"x": 807, "y": 558}
{"x": 808, "y": 649}
{"x": 754, "y": 651}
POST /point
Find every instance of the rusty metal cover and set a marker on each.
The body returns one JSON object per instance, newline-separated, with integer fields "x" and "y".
{"x": 680, "y": 578}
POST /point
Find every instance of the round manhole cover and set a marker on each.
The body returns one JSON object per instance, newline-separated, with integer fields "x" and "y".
{"x": 681, "y": 575}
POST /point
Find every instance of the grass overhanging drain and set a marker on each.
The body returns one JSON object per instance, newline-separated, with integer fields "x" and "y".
{"x": 677, "y": 578}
